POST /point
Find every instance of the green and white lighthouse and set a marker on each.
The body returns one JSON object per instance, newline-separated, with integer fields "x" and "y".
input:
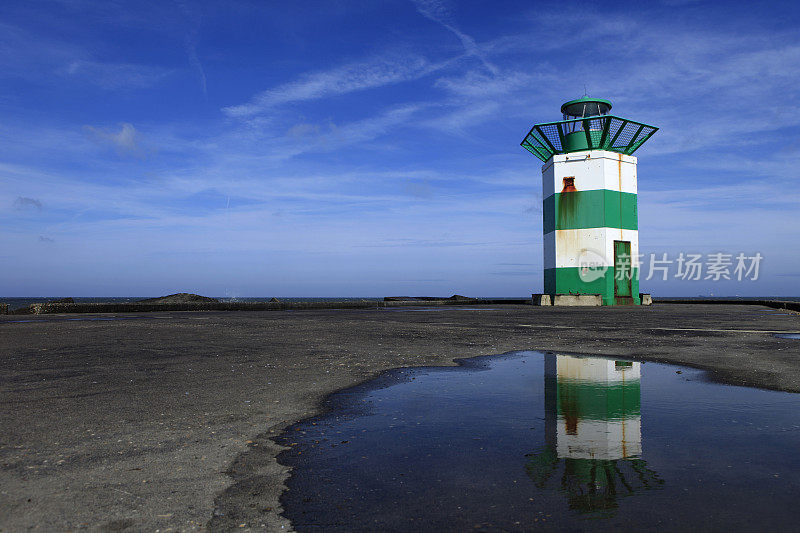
{"x": 589, "y": 193}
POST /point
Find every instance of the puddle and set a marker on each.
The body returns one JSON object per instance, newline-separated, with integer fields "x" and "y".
{"x": 787, "y": 335}
{"x": 529, "y": 440}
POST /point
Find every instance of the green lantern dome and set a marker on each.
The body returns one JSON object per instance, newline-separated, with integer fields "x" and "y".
{"x": 586, "y": 125}
{"x": 585, "y": 107}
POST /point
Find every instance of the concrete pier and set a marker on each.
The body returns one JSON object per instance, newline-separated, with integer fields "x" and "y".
{"x": 163, "y": 420}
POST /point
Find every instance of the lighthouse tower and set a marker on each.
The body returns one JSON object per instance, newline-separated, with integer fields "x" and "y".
{"x": 591, "y": 237}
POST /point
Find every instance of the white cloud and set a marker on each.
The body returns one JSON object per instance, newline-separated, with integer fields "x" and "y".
{"x": 125, "y": 140}
{"x": 704, "y": 87}
{"x": 377, "y": 72}
{"x": 475, "y": 85}
{"x": 37, "y": 57}
{"x": 436, "y": 11}
{"x": 267, "y": 144}
{"x": 190, "y": 42}
{"x": 303, "y": 129}
{"x": 367, "y": 129}
{"x": 113, "y": 75}
{"x": 194, "y": 61}
{"x": 463, "y": 117}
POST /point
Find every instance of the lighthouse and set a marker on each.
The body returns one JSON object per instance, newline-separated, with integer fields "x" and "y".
{"x": 589, "y": 201}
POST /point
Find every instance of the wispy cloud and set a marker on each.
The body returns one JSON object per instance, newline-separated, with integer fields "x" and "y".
{"x": 190, "y": 42}
{"x": 44, "y": 59}
{"x": 21, "y": 49}
{"x": 370, "y": 74}
{"x": 276, "y": 144}
{"x": 461, "y": 117}
{"x": 438, "y": 12}
{"x": 303, "y": 129}
{"x": 477, "y": 85}
{"x": 695, "y": 83}
{"x": 125, "y": 141}
{"x": 113, "y": 75}
{"x": 194, "y": 61}
{"x": 367, "y": 129}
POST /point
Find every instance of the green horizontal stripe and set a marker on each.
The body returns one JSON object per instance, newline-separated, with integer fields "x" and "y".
{"x": 568, "y": 280}
{"x": 600, "y": 208}
{"x": 598, "y": 401}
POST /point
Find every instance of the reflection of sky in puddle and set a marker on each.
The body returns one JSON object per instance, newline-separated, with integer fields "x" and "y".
{"x": 787, "y": 335}
{"x": 525, "y": 440}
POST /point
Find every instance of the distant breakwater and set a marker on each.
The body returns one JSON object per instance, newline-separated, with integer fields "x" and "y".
{"x": 134, "y": 307}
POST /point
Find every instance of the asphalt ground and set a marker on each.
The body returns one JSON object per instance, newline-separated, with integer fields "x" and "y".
{"x": 163, "y": 421}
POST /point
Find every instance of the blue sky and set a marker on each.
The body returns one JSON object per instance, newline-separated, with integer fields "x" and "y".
{"x": 370, "y": 148}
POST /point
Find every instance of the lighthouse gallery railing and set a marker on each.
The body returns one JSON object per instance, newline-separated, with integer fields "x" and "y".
{"x": 605, "y": 132}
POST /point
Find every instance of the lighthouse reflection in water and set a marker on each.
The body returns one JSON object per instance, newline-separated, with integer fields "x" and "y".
{"x": 593, "y": 433}
{"x": 529, "y": 439}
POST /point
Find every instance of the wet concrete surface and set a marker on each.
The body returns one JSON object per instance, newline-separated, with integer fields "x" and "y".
{"x": 165, "y": 422}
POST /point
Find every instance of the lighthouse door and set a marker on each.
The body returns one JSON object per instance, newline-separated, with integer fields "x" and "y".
{"x": 623, "y": 272}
